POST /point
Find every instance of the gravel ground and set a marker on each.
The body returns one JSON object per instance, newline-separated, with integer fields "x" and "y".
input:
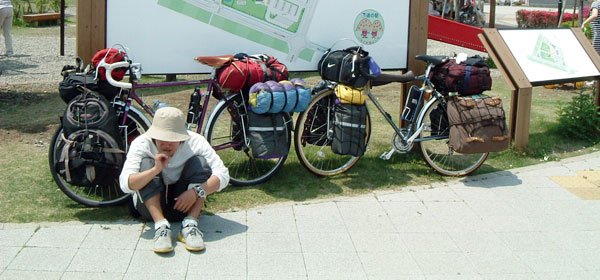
{"x": 37, "y": 59}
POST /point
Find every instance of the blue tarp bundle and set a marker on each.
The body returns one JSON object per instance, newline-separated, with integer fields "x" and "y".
{"x": 285, "y": 96}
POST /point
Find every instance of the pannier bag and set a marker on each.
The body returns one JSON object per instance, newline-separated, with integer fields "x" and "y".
{"x": 350, "y": 95}
{"x": 477, "y": 125}
{"x": 90, "y": 158}
{"x": 345, "y": 66}
{"x": 93, "y": 153}
{"x": 72, "y": 84}
{"x": 90, "y": 111}
{"x": 468, "y": 78}
{"x": 246, "y": 71}
{"x": 349, "y": 129}
{"x": 268, "y": 136}
{"x": 110, "y": 56}
{"x": 285, "y": 96}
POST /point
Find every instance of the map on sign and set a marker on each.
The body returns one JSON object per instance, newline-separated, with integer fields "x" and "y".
{"x": 279, "y": 24}
{"x": 549, "y": 54}
{"x": 296, "y": 32}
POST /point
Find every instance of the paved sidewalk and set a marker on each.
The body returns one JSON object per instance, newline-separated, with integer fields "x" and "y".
{"x": 515, "y": 224}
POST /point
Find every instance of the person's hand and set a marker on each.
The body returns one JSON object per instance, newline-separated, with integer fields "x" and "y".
{"x": 160, "y": 161}
{"x": 185, "y": 201}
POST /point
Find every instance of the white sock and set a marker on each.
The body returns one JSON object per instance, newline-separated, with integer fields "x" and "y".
{"x": 161, "y": 223}
{"x": 189, "y": 221}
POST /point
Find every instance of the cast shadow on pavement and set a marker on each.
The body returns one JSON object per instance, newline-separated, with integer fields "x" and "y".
{"x": 492, "y": 180}
{"x": 214, "y": 228}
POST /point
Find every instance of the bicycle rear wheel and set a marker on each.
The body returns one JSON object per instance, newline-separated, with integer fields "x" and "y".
{"x": 94, "y": 196}
{"x": 437, "y": 153}
{"x": 226, "y": 136}
{"x": 313, "y": 135}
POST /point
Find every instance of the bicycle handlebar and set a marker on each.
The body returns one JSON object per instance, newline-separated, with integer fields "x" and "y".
{"x": 112, "y": 66}
{"x": 385, "y": 78}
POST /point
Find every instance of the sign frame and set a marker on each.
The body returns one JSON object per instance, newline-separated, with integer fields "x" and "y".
{"x": 521, "y": 87}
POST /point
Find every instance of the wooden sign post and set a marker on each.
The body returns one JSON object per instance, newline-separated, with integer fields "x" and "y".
{"x": 520, "y": 84}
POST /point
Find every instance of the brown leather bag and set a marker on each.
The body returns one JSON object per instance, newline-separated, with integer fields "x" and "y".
{"x": 477, "y": 125}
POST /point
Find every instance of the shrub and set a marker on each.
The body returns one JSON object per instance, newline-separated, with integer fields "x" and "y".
{"x": 544, "y": 19}
{"x": 490, "y": 62}
{"x": 580, "y": 118}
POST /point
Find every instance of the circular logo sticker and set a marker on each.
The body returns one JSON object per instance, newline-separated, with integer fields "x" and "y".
{"x": 368, "y": 27}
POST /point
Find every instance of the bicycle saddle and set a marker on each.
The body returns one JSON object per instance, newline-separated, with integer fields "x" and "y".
{"x": 435, "y": 60}
{"x": 214, "y": 61}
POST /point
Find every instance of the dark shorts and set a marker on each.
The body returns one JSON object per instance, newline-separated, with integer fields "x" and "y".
{"x": 195, "y": 171}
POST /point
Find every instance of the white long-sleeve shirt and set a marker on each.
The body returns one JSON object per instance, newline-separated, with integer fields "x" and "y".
{"x": 143, "y": 147}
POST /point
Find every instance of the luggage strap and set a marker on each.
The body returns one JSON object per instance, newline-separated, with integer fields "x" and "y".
{"x": 467, "y": 79}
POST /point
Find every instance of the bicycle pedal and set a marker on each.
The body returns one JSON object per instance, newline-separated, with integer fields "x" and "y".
{"x": 387, "y": 155}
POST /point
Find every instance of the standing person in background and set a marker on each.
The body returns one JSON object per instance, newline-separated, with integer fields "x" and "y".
{"x": 6, "y": 19}
{"x": 595, "y": 23}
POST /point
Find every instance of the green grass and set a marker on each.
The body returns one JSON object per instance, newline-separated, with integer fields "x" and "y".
{"x": 29, "y": 116}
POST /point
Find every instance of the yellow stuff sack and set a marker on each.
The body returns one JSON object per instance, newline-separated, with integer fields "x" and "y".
{"x": 350, "y": 95}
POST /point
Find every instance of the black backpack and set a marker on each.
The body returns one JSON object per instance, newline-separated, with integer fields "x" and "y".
{"x": 345, "y": 66}
{"x": 73, "y": 83}
{"x": 93, "y": 153}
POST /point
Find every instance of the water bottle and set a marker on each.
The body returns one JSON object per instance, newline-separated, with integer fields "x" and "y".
{"x": 195, "y": 107}
{"x": 411, "y": 104}
{"x": 158, "y": 104}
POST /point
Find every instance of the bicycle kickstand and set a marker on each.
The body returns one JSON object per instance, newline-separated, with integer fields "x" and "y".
{"x": 387, "y": 155}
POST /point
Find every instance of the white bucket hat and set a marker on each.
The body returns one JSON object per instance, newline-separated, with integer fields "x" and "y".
{"x": 168, "y": 125}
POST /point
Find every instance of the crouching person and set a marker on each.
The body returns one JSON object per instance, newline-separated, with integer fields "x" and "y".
{"x": 170, "y": 171}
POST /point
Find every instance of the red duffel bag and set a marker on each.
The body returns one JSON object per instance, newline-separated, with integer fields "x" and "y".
{"x": 246, "y": 70}
{"x": 468, "y": 78}
{"x": 110, "y": 56}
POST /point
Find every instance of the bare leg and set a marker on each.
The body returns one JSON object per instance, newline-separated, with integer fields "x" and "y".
{"x": 153, "y": 205}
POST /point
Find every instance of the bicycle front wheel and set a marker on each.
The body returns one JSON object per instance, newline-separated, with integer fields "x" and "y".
{"x": 313, "y": 135}
{"x": 437, "y": 153}
{"x": 225, "y": 135}
{"x": 94, "y": 196}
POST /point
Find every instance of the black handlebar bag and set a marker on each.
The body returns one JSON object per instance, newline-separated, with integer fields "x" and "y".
{"x": 345, "y": 66}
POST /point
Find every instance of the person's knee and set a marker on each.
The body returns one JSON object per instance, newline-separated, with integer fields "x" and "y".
{"x": 147, "y": 163}
{"x": 196, "y": 170}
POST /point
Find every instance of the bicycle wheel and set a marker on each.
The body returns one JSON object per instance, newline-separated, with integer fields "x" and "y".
{"x": 313, "y": 135}
{"x": 96, "y": 196}
{"x": 226, "y": 136}
{"x": 437, "y": 153}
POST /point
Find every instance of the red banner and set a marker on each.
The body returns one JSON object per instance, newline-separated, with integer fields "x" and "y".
{"x": 455, "y": 33}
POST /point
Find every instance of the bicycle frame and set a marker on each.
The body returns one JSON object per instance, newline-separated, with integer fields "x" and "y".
{"x": 212, "y": 86}
{"x": 415, "y": 126}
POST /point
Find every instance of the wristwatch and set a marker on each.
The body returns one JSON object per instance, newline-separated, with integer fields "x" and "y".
{"x": 200, "y": 191}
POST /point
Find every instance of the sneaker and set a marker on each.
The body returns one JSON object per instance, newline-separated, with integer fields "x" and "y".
{"x": 9, "y": 54}
{"x": 162, "y": 240}
{"x": 191, "y": 236}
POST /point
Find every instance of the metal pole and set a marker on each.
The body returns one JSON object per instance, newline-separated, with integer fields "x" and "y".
{"x": 574, "y": 9}
{"x": 444, "y": 9}
{"x": 62, "y": 27}
{"x": 492, "y": 22}
{"x": 560, "y": 4}
{"x": 580, "y": 12}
